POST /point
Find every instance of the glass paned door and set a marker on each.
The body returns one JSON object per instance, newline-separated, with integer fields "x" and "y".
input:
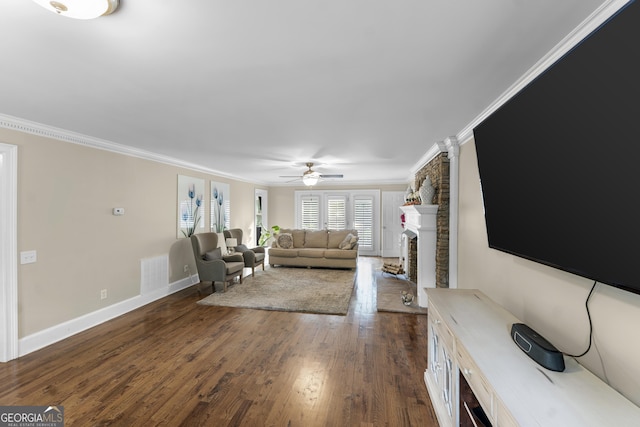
{"x": 336, "y": 217}
{"x": 310, "y": 212}
{"x": 363, "y": 221}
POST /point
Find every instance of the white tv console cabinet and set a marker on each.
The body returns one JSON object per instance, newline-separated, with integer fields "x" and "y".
{"x": 470, "y": 343}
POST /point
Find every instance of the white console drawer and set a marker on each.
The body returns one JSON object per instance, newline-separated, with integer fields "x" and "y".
{"x": 443, "y": 331}
{"x": 476, "y": 380}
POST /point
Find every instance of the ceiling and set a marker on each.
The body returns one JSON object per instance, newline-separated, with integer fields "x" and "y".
{"x": 253, "y": 89}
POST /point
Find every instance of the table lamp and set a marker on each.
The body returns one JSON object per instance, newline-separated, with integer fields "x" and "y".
{"x": 231, "y": 244}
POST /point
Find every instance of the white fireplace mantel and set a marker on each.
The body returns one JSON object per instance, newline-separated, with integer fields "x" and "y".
{"x": 421, "y": 220}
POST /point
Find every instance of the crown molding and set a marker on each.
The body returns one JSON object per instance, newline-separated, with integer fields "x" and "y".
{"x": 436, "y": 149}
{"x": 593, "y": 21}
{"x": 27, "y": 126}
{"x": 34, "y": 128}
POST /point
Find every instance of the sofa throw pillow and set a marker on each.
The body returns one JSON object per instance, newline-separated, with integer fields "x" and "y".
{"x": 348, "y": 242}
{"x": 336, "y": 237}
{"x": 284, "y": 240}
{"x": 212, "y": 255}
{"x": 242, "y": 248}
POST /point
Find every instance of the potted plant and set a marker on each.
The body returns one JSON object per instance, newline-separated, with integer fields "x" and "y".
{"x": 267, "y": 234}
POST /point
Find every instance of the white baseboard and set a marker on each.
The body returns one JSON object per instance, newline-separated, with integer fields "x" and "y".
{"x": 64, "y": 330}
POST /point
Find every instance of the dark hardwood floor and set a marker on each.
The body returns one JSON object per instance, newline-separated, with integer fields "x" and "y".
{"x": 174, "y": 362}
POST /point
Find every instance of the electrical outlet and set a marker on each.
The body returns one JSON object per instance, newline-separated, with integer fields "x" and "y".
{"x": 186, "y": 268}
{"x": 103, "y": 294}
{"x": 28, "y": 257}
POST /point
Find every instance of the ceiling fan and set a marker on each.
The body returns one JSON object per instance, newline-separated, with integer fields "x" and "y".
{"x": 311, "y": 177}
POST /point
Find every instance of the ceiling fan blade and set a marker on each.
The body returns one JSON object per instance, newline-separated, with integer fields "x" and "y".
{"x": 339, "y": 175}
{"x": 290, "y": 176}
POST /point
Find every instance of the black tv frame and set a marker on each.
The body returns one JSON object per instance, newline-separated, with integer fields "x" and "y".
{"x": 558, "y": 161}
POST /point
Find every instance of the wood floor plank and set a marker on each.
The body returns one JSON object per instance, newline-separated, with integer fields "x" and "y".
{"x": 174, "y": 362}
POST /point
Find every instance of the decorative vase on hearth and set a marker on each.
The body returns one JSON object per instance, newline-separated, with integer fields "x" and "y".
{"x": 426, "y": 192}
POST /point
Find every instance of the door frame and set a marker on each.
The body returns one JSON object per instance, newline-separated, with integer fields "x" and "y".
{"x": 264, "y": 214}
{"x": 8, "y": 252}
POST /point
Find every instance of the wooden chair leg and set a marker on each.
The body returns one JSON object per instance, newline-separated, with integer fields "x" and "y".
{"x": 253, "y": 270}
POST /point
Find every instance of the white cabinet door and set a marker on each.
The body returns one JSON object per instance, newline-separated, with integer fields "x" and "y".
{"x": 441, "y": 375}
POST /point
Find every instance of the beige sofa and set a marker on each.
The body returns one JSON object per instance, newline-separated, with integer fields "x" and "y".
{"x": 315, "y": 248}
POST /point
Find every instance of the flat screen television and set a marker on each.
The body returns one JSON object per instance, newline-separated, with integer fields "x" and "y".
{"x": 559, "y": 162}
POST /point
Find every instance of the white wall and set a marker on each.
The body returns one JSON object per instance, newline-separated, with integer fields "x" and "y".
{"x": 550, "y": 301}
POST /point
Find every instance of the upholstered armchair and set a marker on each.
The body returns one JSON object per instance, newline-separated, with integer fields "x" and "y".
{"x": 252, "y": 257}
{"x": 214, "y": 266}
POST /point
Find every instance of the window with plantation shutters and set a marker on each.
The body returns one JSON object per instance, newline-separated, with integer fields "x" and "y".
{"x": 363, "y": 221}
{"x": 339, "y": 210}
{"x": 310, "y": 212}
{"x": 336, "y": 212}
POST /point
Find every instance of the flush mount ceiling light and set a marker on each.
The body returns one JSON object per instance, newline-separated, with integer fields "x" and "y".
{"x": 80, "y": 9}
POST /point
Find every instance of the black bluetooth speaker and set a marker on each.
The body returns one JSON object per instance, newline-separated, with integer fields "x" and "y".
{"x": 536, "y": 347}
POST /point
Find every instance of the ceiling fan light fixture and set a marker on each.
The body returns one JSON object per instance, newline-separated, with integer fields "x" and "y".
{"x": 80, "y": 9}
{"x": 310, "y": 179}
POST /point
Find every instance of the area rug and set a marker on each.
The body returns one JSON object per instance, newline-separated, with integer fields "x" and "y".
{"x": 389, "y": 294}
{"x": 305, "y": 290}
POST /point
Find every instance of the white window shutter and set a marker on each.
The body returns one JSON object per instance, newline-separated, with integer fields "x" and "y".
{"x": 310, "y": 212}
{"x": 363, "y": 221}
{"x": 336, "y": 212}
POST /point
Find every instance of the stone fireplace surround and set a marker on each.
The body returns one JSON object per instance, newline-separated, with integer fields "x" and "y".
{"x": 440, "y": 164}
{"x": 438, "y": 172}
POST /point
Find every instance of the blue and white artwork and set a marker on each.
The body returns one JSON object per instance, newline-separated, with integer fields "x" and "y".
{"x": 191, "y": 207}
{"x": 220, "y": 207}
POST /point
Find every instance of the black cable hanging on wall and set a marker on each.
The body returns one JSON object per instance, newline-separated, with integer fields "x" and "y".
{"x": 586, "y": 304}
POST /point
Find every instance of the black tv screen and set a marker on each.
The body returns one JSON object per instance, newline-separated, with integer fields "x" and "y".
{"x": 559, "y": 162}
